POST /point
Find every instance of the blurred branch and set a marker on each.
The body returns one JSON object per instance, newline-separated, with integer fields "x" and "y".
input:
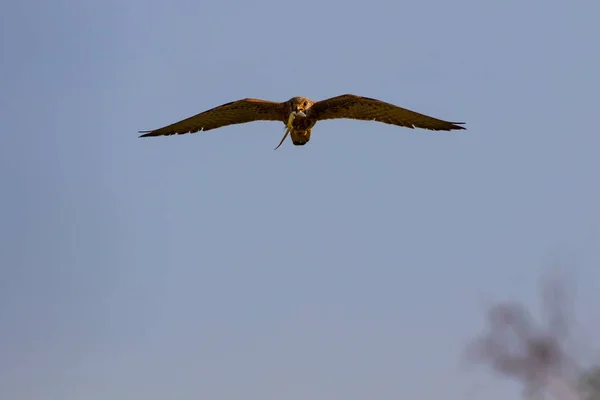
{"x": 517, "y": 347}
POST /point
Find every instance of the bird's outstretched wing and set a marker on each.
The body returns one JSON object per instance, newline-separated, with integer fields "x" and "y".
{"x": 236, "y": 112}
{"x": 367, "y": 109}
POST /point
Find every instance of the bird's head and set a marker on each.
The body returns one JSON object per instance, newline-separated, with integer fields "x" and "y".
{"x": 299, "y": 105}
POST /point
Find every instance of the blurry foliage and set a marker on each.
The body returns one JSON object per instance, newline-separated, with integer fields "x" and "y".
{"x": 590, "y": 384}
{"x": 534, "y": 353}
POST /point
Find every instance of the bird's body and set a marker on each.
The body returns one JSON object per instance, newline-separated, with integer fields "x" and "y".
{"x": 300, "y": 115}
{"x": 300, "y": 124}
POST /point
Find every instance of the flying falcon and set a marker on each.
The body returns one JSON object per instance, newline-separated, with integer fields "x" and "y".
{"x": 300, "y": 114}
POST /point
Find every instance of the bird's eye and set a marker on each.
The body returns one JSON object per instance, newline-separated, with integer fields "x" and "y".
{"x": 305, "y": 103}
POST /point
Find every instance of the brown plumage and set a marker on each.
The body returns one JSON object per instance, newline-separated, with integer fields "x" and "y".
{"x": 300, "y": 114}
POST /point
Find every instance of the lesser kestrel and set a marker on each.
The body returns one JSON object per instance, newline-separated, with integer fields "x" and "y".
{"x": 300, "y": 114}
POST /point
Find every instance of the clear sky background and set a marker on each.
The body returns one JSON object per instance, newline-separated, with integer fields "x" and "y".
{"x": 209, "y": 266}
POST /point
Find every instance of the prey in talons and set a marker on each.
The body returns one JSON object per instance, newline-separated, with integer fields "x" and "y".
{"x": 289, "y": 126}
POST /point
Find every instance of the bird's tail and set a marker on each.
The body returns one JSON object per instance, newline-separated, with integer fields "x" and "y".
{"x": 300, "y": 138}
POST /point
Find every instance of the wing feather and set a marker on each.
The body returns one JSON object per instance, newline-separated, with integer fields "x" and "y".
{"x": 363, "y": 108}
{"x": 235, "y": 112}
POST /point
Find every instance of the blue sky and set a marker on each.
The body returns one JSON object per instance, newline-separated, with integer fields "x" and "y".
{"x": 355, "y": 267}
